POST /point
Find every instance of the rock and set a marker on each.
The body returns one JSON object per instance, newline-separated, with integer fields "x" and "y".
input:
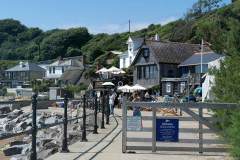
{"x": 13, "y": 143}
{"x": 5, "y": 110}
{"x": 50, "y": 145}
{"x": 19, "y": 157}
{"x": 13, "y": 150}
{"x": 17, "y": 112}
{"x": 3, "y": 115}
{"x": 8, "y": 127}
{"x": 20, "y": 127}
{"x": 4, "y": 121}
{"x": 44, "y": 141}
{"x": 74, "y": 135}
{"x": 51, "y": 120}
{"x": 26, "y": 150}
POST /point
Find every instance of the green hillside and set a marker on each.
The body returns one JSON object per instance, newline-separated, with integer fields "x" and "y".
{"x": 20, "y": 42}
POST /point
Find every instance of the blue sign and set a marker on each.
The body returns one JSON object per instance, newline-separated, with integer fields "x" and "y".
{"x": 167, "y": 130}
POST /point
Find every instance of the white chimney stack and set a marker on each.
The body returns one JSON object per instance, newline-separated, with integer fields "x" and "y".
{"x": 21, "y": 64}
{"x": 157, "y": 38}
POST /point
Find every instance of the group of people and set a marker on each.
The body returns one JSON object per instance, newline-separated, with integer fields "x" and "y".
{"x": 115, "y": 99}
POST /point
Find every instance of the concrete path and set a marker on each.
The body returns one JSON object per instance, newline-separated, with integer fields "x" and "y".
{"x": 110, "y": 148}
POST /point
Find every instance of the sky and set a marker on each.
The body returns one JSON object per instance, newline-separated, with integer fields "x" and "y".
{"x": 99, "y": 16}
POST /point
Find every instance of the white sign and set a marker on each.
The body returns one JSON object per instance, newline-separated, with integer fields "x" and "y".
{"x": 134, "y": 123}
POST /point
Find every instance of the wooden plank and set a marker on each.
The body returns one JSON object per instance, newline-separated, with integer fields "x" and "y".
{"x": 185, "y": 105}
{"x": 181, "y": 130}
{"x": 205, "y": 141}
{"x": 201, "y": 119}
{"x": 185, "y": 149}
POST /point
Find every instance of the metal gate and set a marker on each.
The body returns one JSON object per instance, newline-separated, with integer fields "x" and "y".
{"x": 199, "y": 139}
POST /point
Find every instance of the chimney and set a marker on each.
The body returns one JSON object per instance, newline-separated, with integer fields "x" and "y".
{"x": 21, "y": 64}
{"x": 156, "y": 37}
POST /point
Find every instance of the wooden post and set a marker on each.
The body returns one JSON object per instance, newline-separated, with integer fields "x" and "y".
{"x": 154, "y": 129}
{"x": 124, "y": 126}
{"x": 200, "y": 110}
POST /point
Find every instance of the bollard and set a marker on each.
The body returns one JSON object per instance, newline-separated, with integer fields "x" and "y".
{"x": 34, "y": 127}
{"x": 103, "y": 110}
{"x": 84, "y": 135}
{"x": 108, "y": 109}
{"x": 65, "y": 123}
{"x": 95, "y": 115}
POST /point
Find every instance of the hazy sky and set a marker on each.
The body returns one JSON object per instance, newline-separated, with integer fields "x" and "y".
{"x": 108, "y": 16}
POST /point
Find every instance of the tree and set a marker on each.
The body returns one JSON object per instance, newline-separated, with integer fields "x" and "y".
{"x": 201, "y": 7}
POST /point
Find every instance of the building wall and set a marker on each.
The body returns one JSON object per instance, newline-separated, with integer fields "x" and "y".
{"x": 146, "y": 62}
{"x": 58, "y": 71}
{"x": 36, "y": 75}
{"x": 169, "y": 70}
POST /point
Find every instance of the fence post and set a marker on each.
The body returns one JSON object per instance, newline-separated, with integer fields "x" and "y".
{"x": 84, "y": 135}
{"x": 200, "y": 110}
{"x": 65, "y": 123}
{"x": 103, "y": 110}
{"x": 124, "y": 126}
{"x": 153, "y": 129}
{"x": 34, "y": 127}
{"x": 95, "y": 115}
{"x": 108, "y": 109}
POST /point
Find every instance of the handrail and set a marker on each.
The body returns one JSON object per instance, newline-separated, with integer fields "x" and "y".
{"x": 44, "y": 127}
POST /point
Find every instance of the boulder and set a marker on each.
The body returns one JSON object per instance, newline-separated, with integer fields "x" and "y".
{"x": 5, "y": 110}
{"x": 14, "y": 143}
{"x": 50, "y": 145}
{"x": 13, "y": 150}
{"x": 8, "y": 127}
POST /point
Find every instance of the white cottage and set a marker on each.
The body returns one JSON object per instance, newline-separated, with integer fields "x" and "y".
{"x": 56, "y": 69}
{"x": 127, "y": 57}
{"x": 209, "y": 82}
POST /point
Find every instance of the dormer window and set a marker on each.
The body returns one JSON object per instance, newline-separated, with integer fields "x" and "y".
{"x": 145, "y": 52}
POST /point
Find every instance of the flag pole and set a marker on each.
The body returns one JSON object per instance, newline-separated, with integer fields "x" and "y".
{"x": 201, "y": 56}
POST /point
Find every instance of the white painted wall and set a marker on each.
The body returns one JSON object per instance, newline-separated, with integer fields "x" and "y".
{"x": 129, "y": 57}
{"x": 58, "y": 71}
{"x": 207, "y": 93}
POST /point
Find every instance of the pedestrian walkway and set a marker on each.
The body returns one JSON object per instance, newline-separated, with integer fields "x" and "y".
{"x": 110, "y": 148}
{"x": 83, "y": 150}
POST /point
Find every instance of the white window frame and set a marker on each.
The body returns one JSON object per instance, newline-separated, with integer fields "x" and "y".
{"x": 182, "y": 87}
{"x": 168, "y": 87}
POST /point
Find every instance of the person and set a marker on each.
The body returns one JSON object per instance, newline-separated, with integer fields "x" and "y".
{"x": 111, "y": 102}
{"x": 136, "y": 109}
{"x": 147, "y": 96}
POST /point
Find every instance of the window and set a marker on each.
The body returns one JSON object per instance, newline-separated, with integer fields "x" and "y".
{"x": 124, "y": 62}
{"x": 147, "y": 72}
{"x": 50, "y": 70}
{"x": 168, "y": 87}
{"x": 139, "y": 72}
{"x": 130, "y": 60}
{"x": 182, "y": 87}
{"x": 54, "y": 70}
{"x": 62, "y": 69}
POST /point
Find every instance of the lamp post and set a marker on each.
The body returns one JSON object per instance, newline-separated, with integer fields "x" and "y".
{"x": 95, "y": 114}
{"x": 103, "y": 109}
{"x": 65, "y": 122}
{"x": 84, "y": 134}
{"x": 34, "y": 127}
{"x": 108, "y": 86}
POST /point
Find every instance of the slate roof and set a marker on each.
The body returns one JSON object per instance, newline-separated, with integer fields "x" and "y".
{"x": 196, "y": 59}
{"x": 173, "y": 52}
{"x": 26, "y": 66}
{"x": 72, "y": 76}
{"x": 71, "y": 61}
